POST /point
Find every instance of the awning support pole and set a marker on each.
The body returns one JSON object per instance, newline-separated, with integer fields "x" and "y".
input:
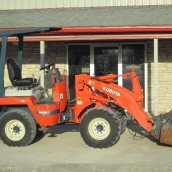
{"x": 155, "y": 77}
{"x": 20, "y": 51}
{"x": 42, "y": 62}
{"x": 2, "y": 64}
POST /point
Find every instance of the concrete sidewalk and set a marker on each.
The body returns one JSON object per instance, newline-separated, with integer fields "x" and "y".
{"x": 62, "y": 149}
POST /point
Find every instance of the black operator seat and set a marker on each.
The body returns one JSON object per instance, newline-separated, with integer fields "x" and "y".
{"x": 15, "y": 75}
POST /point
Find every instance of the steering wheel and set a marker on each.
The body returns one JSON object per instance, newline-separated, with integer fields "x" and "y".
{"x": 47, "y": 66}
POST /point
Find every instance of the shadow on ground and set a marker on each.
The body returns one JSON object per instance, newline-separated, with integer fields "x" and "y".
{"x": 60, "y": 129}
{"x": 57, "y": 129}
{"x": 138, "y": 132}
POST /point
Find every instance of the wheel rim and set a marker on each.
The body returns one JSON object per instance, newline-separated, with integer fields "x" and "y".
{"x": 99, "y": 128}
{"x": 15, "y": 130}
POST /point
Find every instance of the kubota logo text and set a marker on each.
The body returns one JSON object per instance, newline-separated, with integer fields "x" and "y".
{"x": 109, "y": 90}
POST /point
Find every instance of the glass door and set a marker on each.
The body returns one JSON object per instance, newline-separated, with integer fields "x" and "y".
{"x": 133, "y": 60}
{"x": 78, "y": 62}
{"x": 105, "y": 60}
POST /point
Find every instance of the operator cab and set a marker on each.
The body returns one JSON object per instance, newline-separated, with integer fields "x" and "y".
{"x": 22, "y": 86}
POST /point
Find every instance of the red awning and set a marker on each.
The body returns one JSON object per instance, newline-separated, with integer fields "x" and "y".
{"x": 100, "y": 33}
{"x": 135, "y": 29}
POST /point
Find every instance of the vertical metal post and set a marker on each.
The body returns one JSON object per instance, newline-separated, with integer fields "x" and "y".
{"x": 155, "y": 76}
{"x": 120, "y": 80}
{"x": 20, "y": 51}
{"x": 92, "y": 67}
{"x": 42, "y": 62}
{"x": 146, "y": 78}
{"x": 2, "y": 64}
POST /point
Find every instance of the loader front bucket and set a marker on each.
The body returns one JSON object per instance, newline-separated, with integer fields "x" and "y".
{"x": 162, "y": 129}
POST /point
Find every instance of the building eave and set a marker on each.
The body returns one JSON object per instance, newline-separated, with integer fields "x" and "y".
{"x": 99, "y": 33}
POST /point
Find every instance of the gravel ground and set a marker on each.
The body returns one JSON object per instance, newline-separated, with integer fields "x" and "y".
{"x": 62, "y": 149}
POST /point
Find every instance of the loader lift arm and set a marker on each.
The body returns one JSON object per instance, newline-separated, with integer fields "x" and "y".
{"x": 160, "y": 126}
{"x": 131, "y": 101}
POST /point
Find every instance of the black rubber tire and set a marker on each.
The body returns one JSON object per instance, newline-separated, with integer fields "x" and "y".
{"x": 27, "y": 122}
{"x": 112, "y": 121}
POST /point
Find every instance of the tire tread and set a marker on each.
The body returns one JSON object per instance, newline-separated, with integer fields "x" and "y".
{"x": 22, "y": 115}
{"x": 100, "y": 112}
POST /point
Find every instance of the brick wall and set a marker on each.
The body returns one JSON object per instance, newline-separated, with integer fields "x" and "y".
{"x": 164, "y": 73}
{"x": 55, "y": 53}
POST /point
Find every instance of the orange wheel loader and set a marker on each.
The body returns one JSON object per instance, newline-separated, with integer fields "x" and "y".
{"x": 99, "y": 107}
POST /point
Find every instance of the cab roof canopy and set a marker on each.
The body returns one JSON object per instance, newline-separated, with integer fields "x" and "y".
{"x": 4, "y": 34}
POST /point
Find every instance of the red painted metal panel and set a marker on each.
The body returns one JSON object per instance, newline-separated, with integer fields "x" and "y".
{"x": 78, "y": 30}
{"x": 126, "y": 29}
